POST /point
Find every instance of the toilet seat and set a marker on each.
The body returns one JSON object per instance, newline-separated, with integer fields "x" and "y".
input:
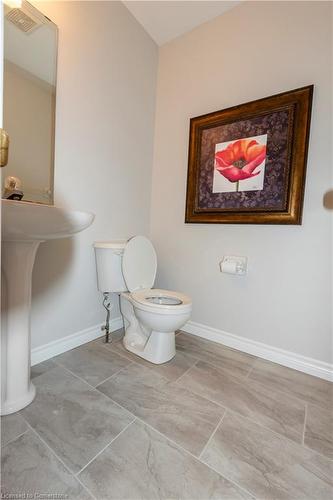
{"x": 139, "y": 264}
{"x": 170, "y": 302}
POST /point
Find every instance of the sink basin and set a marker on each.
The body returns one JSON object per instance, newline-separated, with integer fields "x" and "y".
{"x": 24, "y": 221}
{"x": 24, "y": 227}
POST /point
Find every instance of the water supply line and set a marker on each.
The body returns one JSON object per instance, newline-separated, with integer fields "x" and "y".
{"x": 107, "y": 306}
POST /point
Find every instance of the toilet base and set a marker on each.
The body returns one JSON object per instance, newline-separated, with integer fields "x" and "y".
{"x": 159, "y": 348}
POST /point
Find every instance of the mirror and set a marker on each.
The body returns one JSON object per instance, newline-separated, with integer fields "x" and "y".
{"x": 30, "y": 53}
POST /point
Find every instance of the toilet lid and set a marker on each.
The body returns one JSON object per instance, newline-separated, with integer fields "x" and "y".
{"x": 139, "y": 263}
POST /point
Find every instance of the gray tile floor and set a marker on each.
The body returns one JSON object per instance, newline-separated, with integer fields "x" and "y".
{"x": 214, "y": 423}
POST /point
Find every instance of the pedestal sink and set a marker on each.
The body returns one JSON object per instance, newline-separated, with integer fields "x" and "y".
{"x": 24, "y": 227}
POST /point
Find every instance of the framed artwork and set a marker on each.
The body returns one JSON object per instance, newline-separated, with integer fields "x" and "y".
{"x": 247, "y": 163}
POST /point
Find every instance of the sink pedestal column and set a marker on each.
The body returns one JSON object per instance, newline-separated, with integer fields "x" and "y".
{"x": 24, "y": 226}
{"x": 17, "y": 391}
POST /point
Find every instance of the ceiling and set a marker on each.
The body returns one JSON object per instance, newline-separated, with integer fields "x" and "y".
{"x": 165, "y": 20}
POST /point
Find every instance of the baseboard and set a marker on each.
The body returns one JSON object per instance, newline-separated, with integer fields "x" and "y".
{"x": 286, "y": 358}
{"x": 47, "y": 351}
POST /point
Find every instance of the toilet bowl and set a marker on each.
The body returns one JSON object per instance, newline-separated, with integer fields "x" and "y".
{"x": 151, "y": 316}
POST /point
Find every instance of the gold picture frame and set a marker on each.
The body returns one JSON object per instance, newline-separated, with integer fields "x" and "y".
{"x": 247, "y": 164}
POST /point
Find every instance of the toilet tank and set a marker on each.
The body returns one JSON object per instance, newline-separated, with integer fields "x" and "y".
{"x": 108, "y": 265}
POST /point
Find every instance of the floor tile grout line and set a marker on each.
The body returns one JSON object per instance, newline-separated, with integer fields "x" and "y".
{"x": 148, "y": 425}
{"x": 250, "y": 370}
{"x": 283, "y": 436}
{"x": 167, "y": 381}
{"x": 187, "y": 452}
{"x": 315, "y": 452}
{"x": 110, "y": 347}
{"x": 212, "y": 434}
{"x": 119, "y": 405}
{"x": 133, "y": 361}
{"x": 158, "y": 432}
{"x": 186, "y": 371}
{"x": 123, "y": 355}
{"x": 139, "y": 419}
{"x": 74, "y": 375}
{"x": 236, "y": 379}
{"x": 105, "y": 447}
{"x": 14, "y": 439}
{"x": 135, "y": 417}
{"x": 167, "y": 438}
{"x": 240, "y": 379}
{"x": 259, "y": 358}
{"x": 115, "y": 373}
{"x": 286, "y": 393}
{"x": 220, "y": 406}
{"x": 232, "y": 481}
{"x": 91, "y": 387}
{"x": 179, "y": 332}
{"x": 228, "y": 371}
{"x": 193, "y": 392}
{"x": 105, "y": 396}
{"x": 304, "y": 426}
{"x": 223, "y": 406}
{"x": 85, "y": 487}
{"x": 57, "y": 456}
{"x": 87, "y": 383}
{"x": 138, "y": 364}
{"x": 201, "y": 396}
{"x": 104, "y": 345}
{"x": 221, "y": 345}
{"x": 141, "y": 366}
{"x": 256, "y": 358}
{"x": 47, "y": 445}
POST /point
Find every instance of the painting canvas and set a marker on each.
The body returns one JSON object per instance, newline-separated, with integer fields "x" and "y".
{"x": 247, "y": 163}
{"x": 240, "y": 165}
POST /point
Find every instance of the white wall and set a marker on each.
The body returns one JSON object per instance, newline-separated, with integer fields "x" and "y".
{"x": 104, "y": 133}
{"x": 255, "y": 50}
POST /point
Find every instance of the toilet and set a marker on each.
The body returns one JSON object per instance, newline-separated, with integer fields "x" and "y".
{"x": 151, "y": 315}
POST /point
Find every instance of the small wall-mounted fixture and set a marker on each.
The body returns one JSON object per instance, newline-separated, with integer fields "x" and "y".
{"x": 24, "y": 16}
{"x": 233, "y": 265}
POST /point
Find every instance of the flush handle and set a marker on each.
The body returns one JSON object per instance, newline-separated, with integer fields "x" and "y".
{"x": 4, "y": 147}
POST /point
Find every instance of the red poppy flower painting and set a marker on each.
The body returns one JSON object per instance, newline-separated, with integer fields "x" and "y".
{"x": 247, "y": 163}
{"x": 240, "y": 165}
